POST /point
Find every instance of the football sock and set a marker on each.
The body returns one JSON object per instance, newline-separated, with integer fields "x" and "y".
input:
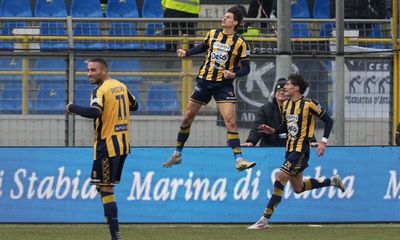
{"x": 313, "y": 183}
{"x": 183, "y": 136}
{"x": 274, "y": 200}
{"x": 111, "y": 214}
{"x": 234, "y": 143}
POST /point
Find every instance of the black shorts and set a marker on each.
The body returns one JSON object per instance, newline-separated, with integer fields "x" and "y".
{"x": 295, "y": 162}
{"x": 107, "y": 171}
{"x": 221, "y": 91}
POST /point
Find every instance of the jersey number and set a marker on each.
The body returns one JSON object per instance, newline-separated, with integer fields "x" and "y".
{"x": 121, "y": 107}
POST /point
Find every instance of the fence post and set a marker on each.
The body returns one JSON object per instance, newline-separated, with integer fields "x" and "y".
{"x": 187, "y": 84}
{"x": 25, "y": 75}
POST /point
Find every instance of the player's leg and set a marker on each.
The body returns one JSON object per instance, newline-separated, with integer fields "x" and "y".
{"x": 105, "y": 174}
{"x": 300, "y": 185}
{"x": 273, "y": 202}
{"x": 200, "y": 96}
{"x": 110, "y": 210}
{"x": 228, "y": 112}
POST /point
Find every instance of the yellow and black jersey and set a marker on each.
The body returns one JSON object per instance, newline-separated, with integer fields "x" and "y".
{"x": 299, "y": 117}
{"x": 112, "y": 138}
{"x": 224, "y": 52}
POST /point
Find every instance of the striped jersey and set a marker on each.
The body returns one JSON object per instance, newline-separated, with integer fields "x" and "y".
{"x": 112, "y": 128}
{"x": 299, "y": 117}
{"x": 224, "y": 52}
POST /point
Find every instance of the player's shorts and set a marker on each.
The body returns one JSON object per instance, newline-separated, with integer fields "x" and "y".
{"x": 107, "y": 171}
{"x": 221, "y": 91}
{"x": 295, "y": 162}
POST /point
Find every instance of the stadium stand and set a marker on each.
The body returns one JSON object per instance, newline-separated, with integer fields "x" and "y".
{"x": 126, "y": 65}
{"x": 51, "y": 97}
{"x": 300, "y": 9}
{"x": 89, "y": 9}
{"x": 53, "y": 8}
{"x": 83, "y": 91}
{"x": 153, "y": 9}
{"x": 51, "y": 65}
{"x": 162, "y": 99}
{"x": 10, "y": 64}
{"x": 321, "y": 9}
{"x": 122, "y": 9}
{"x": 123, "y": 29}
{"x": 7, "y": 30}
{"x": 11, "y": 97}
{"x": 86, "y": 8}
{"x": 15, "y": 8}
{"x": 53, "y": 29}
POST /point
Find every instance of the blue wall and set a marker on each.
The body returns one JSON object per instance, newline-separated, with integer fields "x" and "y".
{"x": 51, "y": 185}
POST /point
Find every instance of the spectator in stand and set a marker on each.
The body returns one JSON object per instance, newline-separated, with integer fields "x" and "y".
{"x": 180, "y": 9}
{"x": 270, "y": 114}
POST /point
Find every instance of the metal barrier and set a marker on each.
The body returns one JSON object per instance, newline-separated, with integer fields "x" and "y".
{"x": 318, "y": 42}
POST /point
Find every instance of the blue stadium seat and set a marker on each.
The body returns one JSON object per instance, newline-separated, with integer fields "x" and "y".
{"x": 10, "y": 64}
{"x": 51, "y": 97}
{"x": 11, "y": 97}
{"x": 52, "y": 8}
{"x": 51, "y": 65}
{"x": 126, "y": 65}
{"x": 152, "y": 9}
{"x": 83, "y": 90}
{"x": 300, "y": 30}
{"x": 15, "y": 8}
{"x": 300, "y": 9}
{"x": 87, "y": 29}
{"x": 326, "y": 29}
{"x": 376, "y": 32}
{"x": 321, "y": 9}
{"x": 81, "y": 66}
{"x": 53, "y": 29}
{"x": 123, "y": 29}
{"x": 122, "y": 9}
{"x": 154, "y": 29}
{"x": 162, "y": 99}
{"x": 135, "y": 92}
{"x": 7, "y": 31}
{"x": 86, "y": 8}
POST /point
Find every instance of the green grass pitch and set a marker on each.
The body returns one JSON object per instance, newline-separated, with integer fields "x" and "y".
{"x": 201, "y": 231}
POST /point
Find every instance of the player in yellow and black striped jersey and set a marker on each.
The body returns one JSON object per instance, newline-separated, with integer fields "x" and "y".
{"x": 110, "y": 104}
{"x": 298, "y": 121}
{"x": 227, "y": 58}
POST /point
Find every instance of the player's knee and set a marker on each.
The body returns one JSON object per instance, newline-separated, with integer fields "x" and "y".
{"x": 298, "y": 190}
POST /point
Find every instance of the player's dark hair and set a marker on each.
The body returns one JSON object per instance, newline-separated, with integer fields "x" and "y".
{"x": 102, "y": 62}
{"x": 298, "y": 80}
{"x": 238, "y": 14}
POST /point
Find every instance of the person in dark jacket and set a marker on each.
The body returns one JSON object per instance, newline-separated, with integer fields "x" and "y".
{"x": 397, "y": 140}
{"x": 270, "y": 114}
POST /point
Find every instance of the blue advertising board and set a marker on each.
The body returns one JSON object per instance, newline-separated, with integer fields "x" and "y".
{"x": 52, "y": 185}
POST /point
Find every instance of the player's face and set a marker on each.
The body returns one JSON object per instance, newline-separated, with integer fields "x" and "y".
{"x": 290, "y": 89}
{"x": 280, "y": 94}
{"x": 96, "y": 73}
{"x": 228, "y": 21}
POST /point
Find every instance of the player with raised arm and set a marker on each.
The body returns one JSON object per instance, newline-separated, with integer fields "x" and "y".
{"x": 227, "y": 58}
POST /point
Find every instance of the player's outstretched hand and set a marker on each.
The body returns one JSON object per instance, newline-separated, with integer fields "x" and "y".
{"x": 321, "y": 149}
{"x": 266, "y": 129}
{"x": 181, "y": 53}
